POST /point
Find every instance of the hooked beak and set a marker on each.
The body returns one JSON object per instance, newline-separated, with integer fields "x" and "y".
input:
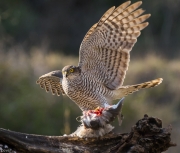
{"x": 65, "y": 73}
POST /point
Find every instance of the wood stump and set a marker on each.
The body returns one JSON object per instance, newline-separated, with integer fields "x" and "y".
{"x": 147, "y": 135}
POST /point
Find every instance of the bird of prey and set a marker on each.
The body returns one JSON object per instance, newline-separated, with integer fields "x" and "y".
{"x": 103, "y": 62}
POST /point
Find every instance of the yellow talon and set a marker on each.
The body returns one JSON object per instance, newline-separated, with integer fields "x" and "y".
{"x": 97, "y": 108}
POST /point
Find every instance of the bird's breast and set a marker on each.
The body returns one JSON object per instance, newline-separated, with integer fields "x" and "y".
{"x": 71, "y": 87}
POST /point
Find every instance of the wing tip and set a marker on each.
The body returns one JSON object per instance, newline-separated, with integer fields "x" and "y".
{"x": 143, "y": 25}
{"x": 113, "y": 7}
{"x": 146, "y": 23}
{"x": 160, "y": 80}
{"x": 146, "y": 16}
{"x": 156, "y": 82}
{"x": 128, "y": 2}
{"x": 38, "y": 81}
{"x": 138, "y": 3}
{"x": 149, "y": 15}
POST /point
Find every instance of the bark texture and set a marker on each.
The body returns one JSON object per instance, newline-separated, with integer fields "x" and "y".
{"x": 146, "y": 136}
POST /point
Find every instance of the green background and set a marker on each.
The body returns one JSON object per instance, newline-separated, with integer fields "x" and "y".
{"x": 38, "y": 36}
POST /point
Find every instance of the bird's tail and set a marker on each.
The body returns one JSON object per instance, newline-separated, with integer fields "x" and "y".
{"x": 129, "y": 89}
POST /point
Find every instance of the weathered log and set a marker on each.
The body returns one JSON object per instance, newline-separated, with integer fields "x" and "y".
{"x": 147, "y": 135}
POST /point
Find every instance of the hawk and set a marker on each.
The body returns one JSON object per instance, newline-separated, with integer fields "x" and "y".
{"x": 104, "y": 57}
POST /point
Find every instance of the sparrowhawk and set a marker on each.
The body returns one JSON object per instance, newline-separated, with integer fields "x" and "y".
{"x": 103, "y": 62}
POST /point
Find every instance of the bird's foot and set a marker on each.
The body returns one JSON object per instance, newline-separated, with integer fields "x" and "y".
{"x": 99, "y": 117}
{"x": 96, "y": 122}
{"x": 98, "y": 111}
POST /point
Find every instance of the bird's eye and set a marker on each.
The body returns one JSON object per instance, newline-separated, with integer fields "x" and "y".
{"x": 71, "y": 70}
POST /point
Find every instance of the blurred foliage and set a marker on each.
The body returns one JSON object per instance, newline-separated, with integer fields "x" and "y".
{"x": 40, "y": 36}
{"x": 61, "y": 25}
{"x": 25, "y": 107}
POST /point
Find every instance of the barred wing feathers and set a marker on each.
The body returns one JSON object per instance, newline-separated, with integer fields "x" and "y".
{"x": 52, "y": 81}
{"x": 107, "y": 45}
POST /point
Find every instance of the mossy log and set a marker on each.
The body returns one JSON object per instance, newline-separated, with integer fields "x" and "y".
{"x": 147, "y": 135}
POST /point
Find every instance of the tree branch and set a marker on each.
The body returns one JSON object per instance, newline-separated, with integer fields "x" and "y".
{"x": 147, "y": 135}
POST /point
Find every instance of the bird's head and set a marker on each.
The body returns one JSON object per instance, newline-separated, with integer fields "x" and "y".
{"x": 71, "y": 71}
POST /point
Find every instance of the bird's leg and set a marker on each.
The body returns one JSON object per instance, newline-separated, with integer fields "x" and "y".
{"x": 96, "y": 122}
{"x": 103, "y": 115}
{"x": 98, "y": 111}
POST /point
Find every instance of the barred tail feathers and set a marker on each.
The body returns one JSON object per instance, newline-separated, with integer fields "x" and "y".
{"x": 129, "y": 89}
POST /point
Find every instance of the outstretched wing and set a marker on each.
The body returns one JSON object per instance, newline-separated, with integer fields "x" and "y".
{"x": 52, "y": 81}
{"x": 105, "y": 50}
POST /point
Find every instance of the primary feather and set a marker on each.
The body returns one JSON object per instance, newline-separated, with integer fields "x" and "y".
{"x": 103, "y": 62}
